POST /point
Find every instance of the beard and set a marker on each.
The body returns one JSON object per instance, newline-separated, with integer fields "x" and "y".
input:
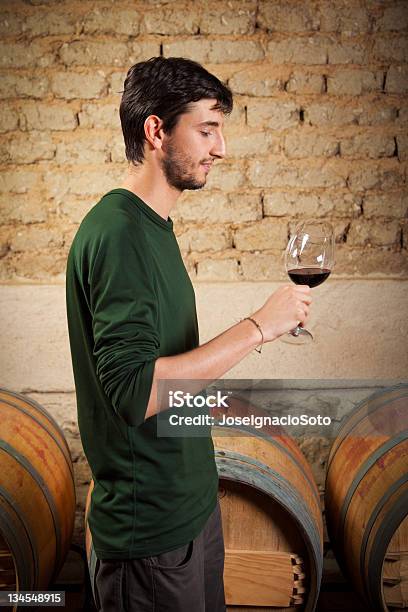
{"x": 178, "y": 169}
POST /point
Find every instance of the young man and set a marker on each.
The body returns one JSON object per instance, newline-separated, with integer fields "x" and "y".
{"x": 154, "y": 516}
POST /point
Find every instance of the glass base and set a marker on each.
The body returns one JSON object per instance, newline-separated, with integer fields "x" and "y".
{"x": 299, "y": 335}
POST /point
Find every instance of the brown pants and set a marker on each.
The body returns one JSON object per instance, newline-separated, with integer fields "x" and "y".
{"x": 188, "y": 579}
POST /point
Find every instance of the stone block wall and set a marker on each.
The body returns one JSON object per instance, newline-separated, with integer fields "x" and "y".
{"x": 319, "y": 128}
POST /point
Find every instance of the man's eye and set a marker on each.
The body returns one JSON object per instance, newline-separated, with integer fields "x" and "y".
{"x": 206, "y": 133}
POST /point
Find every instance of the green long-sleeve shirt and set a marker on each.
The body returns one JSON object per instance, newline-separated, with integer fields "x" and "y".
{"x": 130, "y": 301}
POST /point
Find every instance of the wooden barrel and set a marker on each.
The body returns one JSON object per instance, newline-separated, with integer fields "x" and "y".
{"x": 271, "y": 513}
{"x": 37, "y": 495}
{"x": 271, "y": 516}
{"x": 367, "y": 498}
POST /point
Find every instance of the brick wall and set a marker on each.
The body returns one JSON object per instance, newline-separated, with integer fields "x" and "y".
{"x": 319, "y": 128}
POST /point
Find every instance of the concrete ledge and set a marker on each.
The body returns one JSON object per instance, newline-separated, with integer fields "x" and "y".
{"x": 360, "y": 330}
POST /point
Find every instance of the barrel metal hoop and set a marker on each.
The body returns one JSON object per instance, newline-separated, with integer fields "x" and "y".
{"x": 230, "y": 467}
{"x": 63, "y": 449}
{"x": 26, "y": 581}
{"x": 45, "y": 491}
{"x": 280, "y": 484}
{"x": 274, "y": 442}
{"x": 364, "y": 468}
{"x": 383, "y": 537}
{"x": 344, "y": 432}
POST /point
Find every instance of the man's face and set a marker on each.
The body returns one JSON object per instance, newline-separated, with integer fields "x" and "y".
{"x": 193, "y": 145}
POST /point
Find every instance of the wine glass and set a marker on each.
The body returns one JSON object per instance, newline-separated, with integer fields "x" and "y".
{"x": 309, "y": 259}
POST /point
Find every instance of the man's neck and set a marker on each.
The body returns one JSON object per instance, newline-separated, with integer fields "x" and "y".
{"x": 153, "y": 189}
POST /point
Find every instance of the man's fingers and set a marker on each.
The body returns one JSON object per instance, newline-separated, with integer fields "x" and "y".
{"x": 306, "y": 318}
{"x": 305, "y": 298}
{"x": 303, "y": 288}
{"x": 302, "y": 313}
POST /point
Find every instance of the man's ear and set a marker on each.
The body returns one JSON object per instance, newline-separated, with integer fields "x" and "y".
{"x": 153, "y": 128}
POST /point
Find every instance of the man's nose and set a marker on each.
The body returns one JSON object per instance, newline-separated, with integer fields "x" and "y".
{"x": 218, "y": 149}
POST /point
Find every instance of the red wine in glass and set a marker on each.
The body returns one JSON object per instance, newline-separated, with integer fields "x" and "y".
{"x": 309, "y": 276}
{"x": 309, "y": 259}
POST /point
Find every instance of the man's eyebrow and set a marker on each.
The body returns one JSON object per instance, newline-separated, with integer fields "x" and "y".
{"x": 211, "y": 123}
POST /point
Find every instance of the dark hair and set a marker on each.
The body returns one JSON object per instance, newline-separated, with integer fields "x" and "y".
{"x": 164, "y": 87}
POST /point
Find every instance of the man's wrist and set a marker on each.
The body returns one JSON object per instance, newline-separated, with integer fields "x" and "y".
{"x": 259, "y": 328}
{"x": 257, "y": 336}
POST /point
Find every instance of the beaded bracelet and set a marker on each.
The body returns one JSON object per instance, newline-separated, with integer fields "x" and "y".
{"x": 260, "y": 329}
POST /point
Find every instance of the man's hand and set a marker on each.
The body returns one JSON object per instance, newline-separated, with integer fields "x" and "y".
{"x": 283, "y": 310}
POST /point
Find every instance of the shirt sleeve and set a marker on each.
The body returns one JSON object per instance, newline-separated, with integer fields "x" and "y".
{"x": 124, "y": 318}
